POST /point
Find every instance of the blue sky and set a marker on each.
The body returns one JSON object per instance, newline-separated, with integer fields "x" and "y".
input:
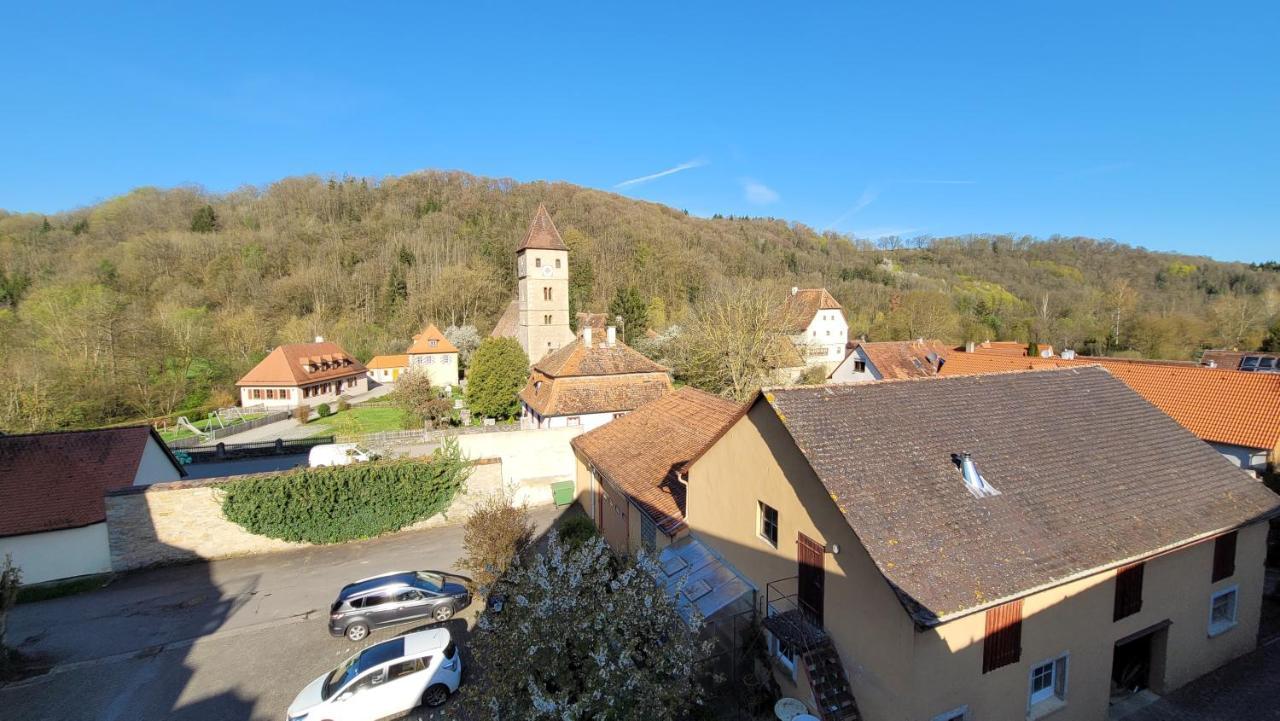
{"x": 1153, "y": 123}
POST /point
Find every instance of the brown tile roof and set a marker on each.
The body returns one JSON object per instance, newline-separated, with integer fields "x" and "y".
{"x": 644, "y": 452}
{"x": 1219, "y": 406}
{"x": 388, "y": 361}
{"x": 805, "y": 303}
{"x": 508, "y": 322}
{"x": 52, "y": 481}
{"x": 597, "y": 322}
{"x": 577, "y": 359}
{"x": 583, "y": 395}
{"x": 542, "y": 233}
{"x": 422, "y": 342}
{"x": 1090, "y": 476}
{"x": 904, "y": 358}
{"x": 1000, "y": 347}
{"x": 1230, "y": 359}
{"x": 287, "y": 365}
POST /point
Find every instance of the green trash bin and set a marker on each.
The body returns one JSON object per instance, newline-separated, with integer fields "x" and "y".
{"x": 562, "y": 493}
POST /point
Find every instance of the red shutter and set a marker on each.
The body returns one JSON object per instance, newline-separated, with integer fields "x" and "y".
{"x": 1128, "y": 591}
{"x": 1224, "y": 556}
{"x": 1003, "y": 643}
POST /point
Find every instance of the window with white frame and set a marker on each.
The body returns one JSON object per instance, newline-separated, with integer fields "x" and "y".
{"x": 767, "y": 523}
{"x": 1222, "y": 610}
{"x": 1048, "y": 681}
{"x": 782, "y": 650}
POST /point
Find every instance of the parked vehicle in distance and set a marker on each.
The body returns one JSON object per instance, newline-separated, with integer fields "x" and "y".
{"x": 386, "y": 679}
{"x": 393, "y": 598}
{"x": 338, "y": 454}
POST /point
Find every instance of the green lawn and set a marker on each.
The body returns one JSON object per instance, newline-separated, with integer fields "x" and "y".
{"x": 357, "y": 420}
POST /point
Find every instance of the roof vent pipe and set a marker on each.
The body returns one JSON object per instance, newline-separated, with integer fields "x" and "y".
{"x": 968, "y": 347}
{"x": 319, "y": 339}
{"x": 586, "y": 336}
{"x": 1068, "y": 354}
{"x": 977, "y": 485}
{"x": 611, "y": 335}
{"x": 794, "y": 290}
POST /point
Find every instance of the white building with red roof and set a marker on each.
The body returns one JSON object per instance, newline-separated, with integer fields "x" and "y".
{"x": 303, "y": 373}
{"x": 815, "y": 321}
{"x": 52, "y": 516}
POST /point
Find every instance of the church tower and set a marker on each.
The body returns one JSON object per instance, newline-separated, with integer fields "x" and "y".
{"x": 542, "y": 267}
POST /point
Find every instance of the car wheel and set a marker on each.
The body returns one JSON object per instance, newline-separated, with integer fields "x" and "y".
{"x": 435, "y": 696}
{"x": 357, "y": 631}
{"x": 443, "y": 612}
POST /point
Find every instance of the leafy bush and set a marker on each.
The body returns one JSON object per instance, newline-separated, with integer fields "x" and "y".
{"x": 302, "y": 413}
{"x": 343, "y": 404}
{"x": 495, "y": 534}
{"x": 342, "y": 503}
{"x": 498, "y": 371}
{"x": 812, "y": 376}
{"x": 323, "y": 410}
{"x": 576, "y": 530}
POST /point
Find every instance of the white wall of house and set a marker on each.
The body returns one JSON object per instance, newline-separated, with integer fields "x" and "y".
{"x": 441, "y": 368}
{"x": 531, "y": 459}
{"x": 857, "y": 368}
{"x": 825, "y": 337}
{"x": 1250, "y": 459}
{"x": 155, "y": 466}
{"x": 585, "y": 421}
{"x": 54, "y": 555}
{"x": 386, "y": 375}
{"x": 285, "y": 397}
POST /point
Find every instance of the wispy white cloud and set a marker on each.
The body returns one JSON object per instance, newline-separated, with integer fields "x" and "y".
{"x": 758, "y": 193}
{"x": 690, "y": 165}
{"x": 867, "y": 198}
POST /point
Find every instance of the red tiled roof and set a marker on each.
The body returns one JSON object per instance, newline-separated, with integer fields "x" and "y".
{"x": 542, "y": 233}
{"x": 904, "y": 359}
{"x": 388, "y": 361}
{"x": 600, "y": 358}
{"x": 53, "y": 481}
{"x": 802, "y": 305}
{"x": 1220, "y": 406}
{"x": 422, "y": 342}
{"x": 584, "y": 395}
{"x": 643, "y": 453}
{"x": 1230, "y": 359}
{"x": 287, "y": 365}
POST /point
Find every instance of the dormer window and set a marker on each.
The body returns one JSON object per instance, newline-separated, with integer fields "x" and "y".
{"x": 433, "y": 342}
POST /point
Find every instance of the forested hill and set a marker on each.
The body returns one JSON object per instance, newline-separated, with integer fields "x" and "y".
{"x": 156, "y": 301}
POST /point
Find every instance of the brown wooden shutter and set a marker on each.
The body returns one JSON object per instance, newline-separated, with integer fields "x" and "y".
{"x": 1224, "y": 556}
{"x": 1003, "y": 643}
{"x": 1128, "y": 591}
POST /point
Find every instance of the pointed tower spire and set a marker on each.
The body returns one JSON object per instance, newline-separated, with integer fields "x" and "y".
{"x": 542, "y": 233}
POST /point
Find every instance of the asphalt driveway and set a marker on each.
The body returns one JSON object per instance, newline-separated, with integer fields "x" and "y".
{"x": 233, "y": 639}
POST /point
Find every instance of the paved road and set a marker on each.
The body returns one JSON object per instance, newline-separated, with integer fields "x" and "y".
{"x": 232, "y": 639}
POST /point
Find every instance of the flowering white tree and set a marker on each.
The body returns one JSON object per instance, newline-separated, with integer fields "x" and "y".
{"x": 465, "y": 338}
{"x": 583, "y": 636}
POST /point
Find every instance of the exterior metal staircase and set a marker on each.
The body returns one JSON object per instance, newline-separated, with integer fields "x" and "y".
{"x": 801, "y": 630}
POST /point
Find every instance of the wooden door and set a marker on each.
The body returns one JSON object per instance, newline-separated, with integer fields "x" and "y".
{"x": 812, "y": 577}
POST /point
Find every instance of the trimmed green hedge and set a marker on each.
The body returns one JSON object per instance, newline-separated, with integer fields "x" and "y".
{"x": 343, "y": 503}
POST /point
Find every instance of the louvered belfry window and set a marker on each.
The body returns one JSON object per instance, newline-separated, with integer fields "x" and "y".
{"x": 1003, "y": 643}
{"x": 1128, "y": 591}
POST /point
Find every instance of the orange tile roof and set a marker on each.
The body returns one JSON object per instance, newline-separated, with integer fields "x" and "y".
{"x": 643, "y": 453}
{"x": 431, "y": 340}
{"x": 542, "y": 234}
{"x": 600, "y": 358}
{"x": 1220, "y": 406}
{"x": 802, "y": 305}
{"x": 388, "y": 361}
{"x": 584, "y": 395}
{"x": 287, "y": 365}
{"x": 904, "y": 359}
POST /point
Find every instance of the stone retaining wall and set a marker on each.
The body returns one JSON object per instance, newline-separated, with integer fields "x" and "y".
{"x": 182, "y": 521}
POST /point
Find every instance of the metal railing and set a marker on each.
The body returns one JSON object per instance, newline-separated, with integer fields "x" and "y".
{"x": 229, "y": 451}
{"x": 787, "y": 615}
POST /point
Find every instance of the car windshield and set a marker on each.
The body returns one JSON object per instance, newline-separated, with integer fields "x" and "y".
{"x": 430, "y": 581}
{"x": 345, "y": 671}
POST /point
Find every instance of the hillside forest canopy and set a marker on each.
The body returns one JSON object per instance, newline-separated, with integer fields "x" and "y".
{"x": 153, "y": 303}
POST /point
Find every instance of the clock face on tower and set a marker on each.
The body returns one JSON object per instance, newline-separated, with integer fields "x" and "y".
{"x": 546, "y": 271}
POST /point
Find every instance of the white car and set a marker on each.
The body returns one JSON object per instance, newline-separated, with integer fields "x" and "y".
{"x": 338, "y": 454}
{"x": 386, "y": 679}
